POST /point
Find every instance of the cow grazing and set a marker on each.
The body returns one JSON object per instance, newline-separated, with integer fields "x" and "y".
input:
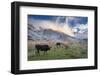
{"x": 40, "y": 47}
{"x": 62, "y": 45}
{"x": 58, "y": 44}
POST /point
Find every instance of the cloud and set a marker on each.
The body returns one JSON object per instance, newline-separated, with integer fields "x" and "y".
{"x": 73, "y": 21}
{"x": 80, "y": 28}
{"x": 45, "y": 24}
{"x": 67, "y": 25}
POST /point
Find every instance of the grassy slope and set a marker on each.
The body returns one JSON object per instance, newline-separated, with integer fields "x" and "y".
{"x": 73, "y": 51}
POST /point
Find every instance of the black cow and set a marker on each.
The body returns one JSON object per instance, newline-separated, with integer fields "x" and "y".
{"x": 40, "y": 47}
{"x": 58, "y": 44}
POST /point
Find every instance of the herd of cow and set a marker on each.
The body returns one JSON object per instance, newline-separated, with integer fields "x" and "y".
{"x": 45, "y": 47}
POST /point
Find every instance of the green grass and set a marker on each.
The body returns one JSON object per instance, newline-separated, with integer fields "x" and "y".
{"x": 72, "y": 52}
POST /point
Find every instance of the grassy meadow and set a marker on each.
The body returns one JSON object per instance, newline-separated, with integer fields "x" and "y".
{"x": 73, "y": 51}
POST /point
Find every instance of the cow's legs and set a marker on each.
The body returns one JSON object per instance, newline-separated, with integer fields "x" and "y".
{"x": 45, "y": 52}
{"x": 38, "y": 52}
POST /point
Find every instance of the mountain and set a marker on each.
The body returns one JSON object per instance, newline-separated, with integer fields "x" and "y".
{"x": 40, "y": 33}
{"x": 82, "y": 35}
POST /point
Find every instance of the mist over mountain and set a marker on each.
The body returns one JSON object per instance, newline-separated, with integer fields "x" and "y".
{"x": 48, "y": 34}
{"x": 56, "y": 26}
{"x": 59, "y": 29}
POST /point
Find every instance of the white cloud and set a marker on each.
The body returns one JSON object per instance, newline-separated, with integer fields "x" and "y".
{"x": 52, "y": 25}
{"x": 81, "y": 28}
{"x": 81, "y": 31}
